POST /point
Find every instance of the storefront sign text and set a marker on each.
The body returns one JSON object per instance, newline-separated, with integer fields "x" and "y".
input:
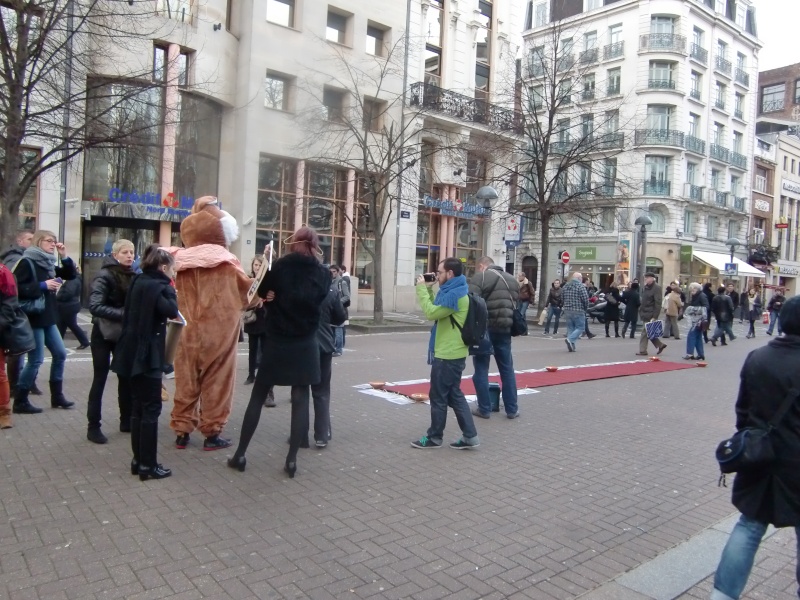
{"x": 784, "y": 270}
{"x": 456, "y": 208}
{"x": 171, "y": 204}
{"x": 586, "y": 253}
{"x": 686, "y": 254}
{"x": 790, "y": 186}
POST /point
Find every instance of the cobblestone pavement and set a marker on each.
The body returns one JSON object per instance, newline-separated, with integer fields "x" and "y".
{"x": 592, "y": 480}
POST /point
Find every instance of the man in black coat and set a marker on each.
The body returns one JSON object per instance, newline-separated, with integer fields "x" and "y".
{"x": 722, "y": 307}
{"x": 768, "y": 495}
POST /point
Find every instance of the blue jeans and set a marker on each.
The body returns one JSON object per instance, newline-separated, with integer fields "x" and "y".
{"x": 551, "y": 312}
{"x": 338, "y": 339}
{"x": 738, "y": 556}
{"x": 576, "y": 322}
{"x": 50, "y": 338}
{"x": 722, "y": 329}
{"x": 773, "y": 319}
{"x": 694, "y": 343}
{"x": 522, "y": 307}
{"x": 446, "y": 391}
{"x": 499, "y": 345}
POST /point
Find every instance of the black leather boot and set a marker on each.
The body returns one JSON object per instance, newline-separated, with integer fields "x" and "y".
{"x": 148, "y": 451}
{"x": 136, "y": 429}
{"x": 23, "y": 406}
{"x": 57, "y": 399}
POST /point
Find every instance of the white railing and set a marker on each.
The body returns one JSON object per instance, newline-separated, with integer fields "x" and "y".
{"x": 178, "y": 10}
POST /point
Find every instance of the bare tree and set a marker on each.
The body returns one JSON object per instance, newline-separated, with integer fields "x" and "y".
{"x": 51, "y": 50}
{"x": 357, "y": 120}
{"x": 566, "y": 172}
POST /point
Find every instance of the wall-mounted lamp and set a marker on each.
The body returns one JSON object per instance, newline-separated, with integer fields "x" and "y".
{"x": 218, "y": 26}
{"x": 248, "y": 221}
{"x": 458, "y": 172}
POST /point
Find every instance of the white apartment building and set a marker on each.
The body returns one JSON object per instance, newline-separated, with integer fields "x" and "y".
{"x": 682, "y": 74}
{"x": 245, "y": 75}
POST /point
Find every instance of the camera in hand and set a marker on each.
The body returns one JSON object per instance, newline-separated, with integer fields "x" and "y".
{"x": 429, "y": 277}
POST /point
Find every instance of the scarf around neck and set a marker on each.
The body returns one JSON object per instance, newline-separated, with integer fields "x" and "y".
{"x": 43, "y": 259}
{"x": 448, "y": 296}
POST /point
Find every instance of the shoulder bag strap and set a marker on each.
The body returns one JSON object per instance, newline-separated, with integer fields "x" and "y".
{"x": 510, "y": 297}
{"x": 784, "y": 408}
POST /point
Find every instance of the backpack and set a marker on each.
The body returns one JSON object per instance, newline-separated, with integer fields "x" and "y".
{"x": 476, "y": 323}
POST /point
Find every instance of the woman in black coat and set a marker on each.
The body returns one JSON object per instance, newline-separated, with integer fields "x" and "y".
{"x": 611, "y": 309}
{"x": 294, "y": 289}
{"x": 632, "y": 302}
{"x": 139, "y": 355}
{"x": 38, "y": 279}
{"x": 709, "y": 294}
{"x": 68, "y": 301}
{"x": 771, "y": 495}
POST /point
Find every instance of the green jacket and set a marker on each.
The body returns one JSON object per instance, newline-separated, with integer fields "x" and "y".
{"x": 448, "y": 344}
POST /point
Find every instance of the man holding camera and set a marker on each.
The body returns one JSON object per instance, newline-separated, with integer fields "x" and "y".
{"x": 447, "y": 353}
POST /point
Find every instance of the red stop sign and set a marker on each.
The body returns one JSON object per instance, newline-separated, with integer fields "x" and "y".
{"x": 565, "y": 258}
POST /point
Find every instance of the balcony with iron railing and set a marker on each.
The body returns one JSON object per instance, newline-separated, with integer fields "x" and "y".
{"x": 662, "y": 42}
{"x": 561, "y": 146}
{"x": 739, "y": 161}
{"x": 771, "y": 106}
{"x": 741, "y": 77}
{"x": 588, "y": 57}
{"x": 719, "y": 104}
{"x": 465, "y": 108}
{"x": 723, "y": 66}
{"x": 587, "y": 94}
{"x": 659, "y": 137}
{"x": 660, "y": 84}
{"x": 738, "y": 113}
{"x": 738, "y": 204}
{"x": 614, "y": 89}
{"x": 720, "y": 198}
{"x": 694, "y": 144}
{"x": 720, "y": 153}
{"x": 565, "y": 62}
{"x": 615, "y": 50}
{"x": 653, "y": 187}
{"x": 609, "y": 141}
{"x": 694, "y": 192}
{"x": 695, "y": 94}
{"x": 699, "y": 54}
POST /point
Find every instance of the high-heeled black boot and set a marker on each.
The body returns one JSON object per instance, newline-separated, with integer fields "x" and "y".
{"x": 238, "y": 462}
{"x": 57, "y": 398}
{"x": 148, "y": 449}
{"x": 136, "y": 430}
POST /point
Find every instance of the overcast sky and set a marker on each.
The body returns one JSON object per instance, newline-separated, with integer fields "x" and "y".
{"x": 777, "y": 22}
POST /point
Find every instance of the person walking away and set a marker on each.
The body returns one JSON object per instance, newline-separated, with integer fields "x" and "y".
{"x": 68, "y": 301}
{"x": 294, "y": 289}
{"x": 649, "y": 311}
{"x": 256, "y": 329}
{"x": 500, "y": 290}
{"x": 674, "y": 307}
{"x": 107, "y": 296}
{"x": 575, "y": 298}
{"x": 774, "y": 307}
{"x": 10, "y": 257}
{"x": 341, "y": 285}
{"x": 526, "y": 295}
{"x": 447, "y": 354}
{"x": 754, "y": 300}
{"x": 730, "y": 291}
{"x": 722, "y": 307}
{"x": 632, "y": 302}
{"x": 769, "y": 495}
{"x": 611, "y": 309}
{"x": 709, "y": 293}
{"x": 696, "y": 311}
{"x": 8, "y": 312}
{"x": 139, "y": 355}
{"x": 590, "y": 291}
{"x": 38, "y": 279}
{"x": 331, "y": 314}
{"x": 744, "y": 306}
{"x": 554, "y": 304}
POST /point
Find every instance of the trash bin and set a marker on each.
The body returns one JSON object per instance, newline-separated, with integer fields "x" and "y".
{"x": 494, "y": 394}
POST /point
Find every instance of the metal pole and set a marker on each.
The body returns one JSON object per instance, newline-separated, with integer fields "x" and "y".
{"x": 640, "y": 269}
{"x": 62, "y": 209}
{"x": 402, "y": 149}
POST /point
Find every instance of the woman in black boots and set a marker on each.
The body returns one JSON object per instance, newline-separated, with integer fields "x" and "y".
{"x": 611, "y": 309}
{"x": 106, "y": 303}
{"x": 294, "y": 290}
{"x": 139, "y": 355}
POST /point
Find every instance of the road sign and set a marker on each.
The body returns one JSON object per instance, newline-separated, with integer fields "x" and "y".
{"x": 565, "y": 258}
{"x": 731, "y": 270}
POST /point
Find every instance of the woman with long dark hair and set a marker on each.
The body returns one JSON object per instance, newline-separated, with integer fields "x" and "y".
{"x": 294, "y": 290}
{"x": 139, "y": 354}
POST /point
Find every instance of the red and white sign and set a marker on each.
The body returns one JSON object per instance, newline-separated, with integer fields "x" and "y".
{"x": 565, "y": 258}
{"x": 513, "y": 229}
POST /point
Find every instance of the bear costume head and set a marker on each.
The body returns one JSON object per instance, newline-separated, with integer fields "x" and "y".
{"x": 208, "y": 224}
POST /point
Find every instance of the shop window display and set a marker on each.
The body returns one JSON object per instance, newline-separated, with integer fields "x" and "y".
{"x": 197, "y": 147}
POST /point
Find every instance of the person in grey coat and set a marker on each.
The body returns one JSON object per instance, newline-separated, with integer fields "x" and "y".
{"x": 649, "y": 310}
{"x": 500, "y": 290}
{"x": 769, "y": 495}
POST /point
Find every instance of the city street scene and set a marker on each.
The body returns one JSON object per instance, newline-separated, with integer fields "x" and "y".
{"x": 415, "y": 299}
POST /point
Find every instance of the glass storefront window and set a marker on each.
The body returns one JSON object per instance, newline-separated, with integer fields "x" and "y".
{"x": 197, "y": 147}
{"x": 276, "y": 202}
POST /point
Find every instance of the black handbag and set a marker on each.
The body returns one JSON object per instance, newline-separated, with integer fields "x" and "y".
{"x": 750, "y": 449}
{"x": 35, "y": 306}
{"x": 18, "y": 338}
{"x": 110, "y": 330}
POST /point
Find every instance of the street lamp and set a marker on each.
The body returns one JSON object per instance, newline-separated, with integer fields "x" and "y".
{"x": 732, "y": 244}
{"x": 642, "y": 222}
{"x": 486, "y": 194}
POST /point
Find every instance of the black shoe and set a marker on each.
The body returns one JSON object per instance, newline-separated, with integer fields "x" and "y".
{"x": 157, "y": 472}
{"x": 134, "y": 467}
{"x": 478, "y": 413}
{"x": 714, "y": 343}
{"x": 291, "y": 468}
{"x": 216, "y": 443}
{"x": 182, "y": 441}
{"x": 37, "y": 392}
{"x": 82, "y": 347}
{"x": 320, "y": 444}
{"x": 95, "y": 435}
{"x": 590, "y": 336}
{"x": 724, "y": 344}
{"x": 250, "y": 380}
{"x": 26, "y": 408}
{"x": 125, "y": 426}
{"x": 238, "y": 463}
{"x": 57, "y": 398}
{"x": 303, "y": 444}
{"x": 513, "y": 416}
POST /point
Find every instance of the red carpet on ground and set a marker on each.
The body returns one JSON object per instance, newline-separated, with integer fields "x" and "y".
{"x": 560, "y": 377}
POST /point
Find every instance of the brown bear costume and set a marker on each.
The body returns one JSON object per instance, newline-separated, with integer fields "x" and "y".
{"x": 212, "y": 293}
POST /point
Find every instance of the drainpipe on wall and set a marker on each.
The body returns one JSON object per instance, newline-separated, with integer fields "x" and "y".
{"x": 402, "y": 154}
{"x": 62, "y": 207}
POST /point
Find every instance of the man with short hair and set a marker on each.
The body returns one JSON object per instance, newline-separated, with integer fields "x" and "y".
{"x": 649, "y": 311}
{"x": 722, "y": 307}
{"x": 730, "y": 291}
{"x": 576, "y": 301}
{"x": 11, "y": 255}
{"x": 447, "y": 354}
{"x": 774, "y": 307}
{"x": 342, "y": 286}
{"x": 500, "y": 290}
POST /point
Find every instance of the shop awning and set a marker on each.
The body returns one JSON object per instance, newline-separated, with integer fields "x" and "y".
{"x": 718, "y": 262}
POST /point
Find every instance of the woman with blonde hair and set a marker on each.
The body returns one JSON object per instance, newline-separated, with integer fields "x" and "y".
{"x": 38, "y": 279}
{"x": 106, "y": 303}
